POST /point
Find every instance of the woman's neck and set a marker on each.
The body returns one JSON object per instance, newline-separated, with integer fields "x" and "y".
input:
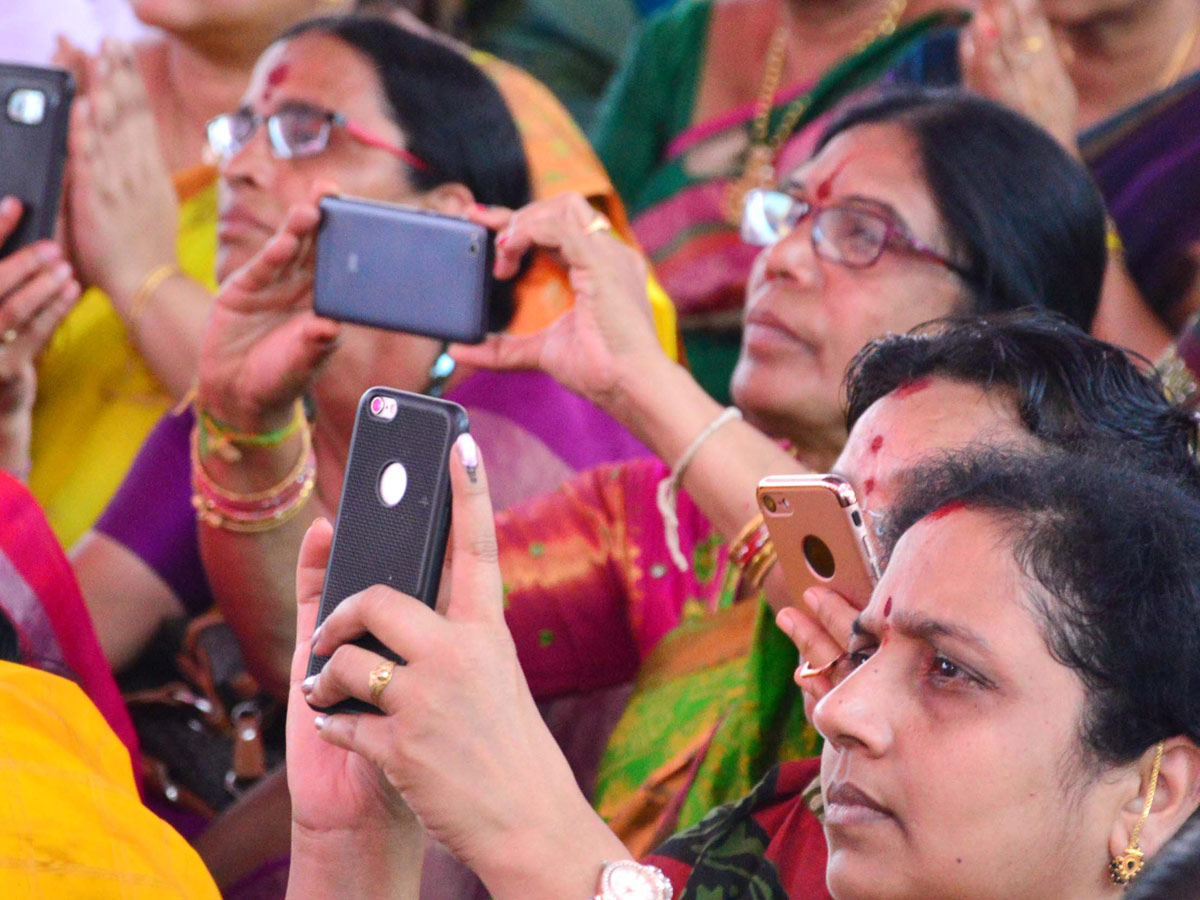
{"x": 1116, "y": 59}
{"x": 188, "y": 85}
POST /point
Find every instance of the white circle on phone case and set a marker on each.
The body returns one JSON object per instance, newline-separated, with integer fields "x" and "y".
{"x": 393, "y": 483}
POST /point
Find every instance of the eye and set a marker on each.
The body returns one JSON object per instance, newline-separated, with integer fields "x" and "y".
{"x": 946, "y": 668}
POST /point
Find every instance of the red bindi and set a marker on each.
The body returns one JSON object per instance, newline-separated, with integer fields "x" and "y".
{"x": 825, "y": 188}
{"x": 877, "y": 443}
{"x": 912, "y": 387}
{"x": 275, "y": 78}
{"x": 942, "y": 512}
{"x": 868, "y": 487}
{"x": 887, "y": 608}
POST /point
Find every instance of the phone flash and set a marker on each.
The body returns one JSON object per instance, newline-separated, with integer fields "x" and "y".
{"x": 27, "y": 106}
{"x": 383, "y": 408}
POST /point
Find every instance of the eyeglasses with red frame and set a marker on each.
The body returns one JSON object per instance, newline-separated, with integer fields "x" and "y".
{"x": 853, "y": 232}
{"x": 296, "y": 131}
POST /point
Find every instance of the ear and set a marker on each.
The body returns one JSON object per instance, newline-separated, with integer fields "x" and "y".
{"x": 452, "y": 199}
{"x": 1176, "y": 797}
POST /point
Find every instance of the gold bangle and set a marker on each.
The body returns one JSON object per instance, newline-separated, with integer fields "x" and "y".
{"x": 200, "y": 474}
{"x": 1112, "y": 239}
{"x": 150, "y": 284}
{"x": 211, "y": 515}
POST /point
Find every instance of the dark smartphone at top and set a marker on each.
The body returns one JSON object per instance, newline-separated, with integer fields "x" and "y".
{"x": 35, "y": 106}
{"x": 403, "y": 269}
{"x": 394, "y": 516}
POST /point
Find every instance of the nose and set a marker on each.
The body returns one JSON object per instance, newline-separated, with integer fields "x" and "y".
{"x": 792, "y": 257}
{"x": 858, "y": 712}
{"x": 253, "y": 164}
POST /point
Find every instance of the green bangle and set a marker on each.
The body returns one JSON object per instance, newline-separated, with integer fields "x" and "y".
{"x": 226, "y": 435}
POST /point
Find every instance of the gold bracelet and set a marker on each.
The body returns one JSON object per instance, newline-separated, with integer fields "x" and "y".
{"x": 201, "y": 476}
{"x": 150, "y": 284}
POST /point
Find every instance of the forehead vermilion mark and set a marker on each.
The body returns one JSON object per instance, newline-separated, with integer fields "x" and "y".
{"x": 943, "y": 511}
{"x": 877, "y": 443}
{"x": 275, "y": 78}
{"x": 825, "y": 188}
{"x": 912, "y": 387}
{"x": 887, "y": 608}
{"x": 868, "y": 487}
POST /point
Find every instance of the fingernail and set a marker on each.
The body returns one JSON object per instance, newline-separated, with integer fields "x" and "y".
{"x": 319, "y": 722}
{"x": 479, "y": 207}
{"x": 307, "y": 684}
{"x": 61, "y": 272}
{"x": 468, "y": 455}
{"x": 501, "y": 239}
{"x": 49, "y": 252}
{"x": 8, "y": 206}
{"x": 316, "y": 636}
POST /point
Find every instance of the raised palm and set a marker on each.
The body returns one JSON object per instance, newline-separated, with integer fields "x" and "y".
{"x": 264, "y": 343}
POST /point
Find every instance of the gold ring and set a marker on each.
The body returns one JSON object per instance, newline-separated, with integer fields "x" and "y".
{"x": 379, "y": 678}
{"x": 1034, "y": 43}
{"x": 807, "y": 671}
{"x": 599, "y": 223}
{"x": 9, "y": 336}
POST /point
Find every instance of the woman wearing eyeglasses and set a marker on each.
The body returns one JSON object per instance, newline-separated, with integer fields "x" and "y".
{"x": 914, "y": 207}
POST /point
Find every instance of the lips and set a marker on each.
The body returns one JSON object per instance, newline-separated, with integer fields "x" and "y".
{"x": 241, "y": 219}
{"x": 847, "y": 804}
{"x": 765, "y": 328}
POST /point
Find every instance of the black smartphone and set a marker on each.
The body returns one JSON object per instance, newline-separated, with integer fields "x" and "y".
{"x": 35, "y": 106}
{"x": 403, "y": 269}
{"x": 394, "y": 516}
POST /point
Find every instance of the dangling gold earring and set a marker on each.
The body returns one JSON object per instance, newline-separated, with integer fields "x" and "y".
{"x": 1128, "y": 865}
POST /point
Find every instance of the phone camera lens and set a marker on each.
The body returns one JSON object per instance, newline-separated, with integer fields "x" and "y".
{"x": 818, "y": 556}
{"x": 769, "y": 502}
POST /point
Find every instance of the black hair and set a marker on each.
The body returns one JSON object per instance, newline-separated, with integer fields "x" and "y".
{"x": 1113, "y": 556}
{"x": 10, "y": 644}
{"x": 1071, "y": 390}
{"x": 1024, "y": 219}
{"x": 452, "y": 115}
{"x": 1174, "y": 872}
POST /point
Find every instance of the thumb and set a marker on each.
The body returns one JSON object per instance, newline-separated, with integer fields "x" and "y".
{"x": 475, "y": 587}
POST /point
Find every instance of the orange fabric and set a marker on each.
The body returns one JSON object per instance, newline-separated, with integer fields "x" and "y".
{"x": 561, "y": 159}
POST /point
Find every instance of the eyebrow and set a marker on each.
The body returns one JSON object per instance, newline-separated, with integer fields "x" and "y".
{"x": 926, "y": 629}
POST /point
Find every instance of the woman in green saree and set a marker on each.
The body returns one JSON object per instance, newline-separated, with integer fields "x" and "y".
{"x": 688, "y": 126}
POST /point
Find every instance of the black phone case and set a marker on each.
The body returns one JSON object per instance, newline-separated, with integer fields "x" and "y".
{"x": 403, "y": 269}
{"x": 32, "y": 157}
{"x": 402, "y": 546}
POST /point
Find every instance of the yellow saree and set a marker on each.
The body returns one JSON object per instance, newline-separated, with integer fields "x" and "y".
{"x": 97, "y": 400}
{"x": 71, "y": 822}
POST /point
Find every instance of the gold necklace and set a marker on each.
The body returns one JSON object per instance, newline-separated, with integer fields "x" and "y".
{"x": 758, "y": 171}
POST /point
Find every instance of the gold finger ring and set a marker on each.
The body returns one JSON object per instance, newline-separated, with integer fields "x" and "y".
{"x": 379, "y": 678}
{"x": 807, "y": 671}
{"x": 9, "y": 336}
{"x": 1034, "y": 43}
{"x": 599, "y": 223}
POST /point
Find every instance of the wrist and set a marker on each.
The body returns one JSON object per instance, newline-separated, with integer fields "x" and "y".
{"x": 557, "y": 855}
{"x": 243, "y": 414}
{"x": 123, "y": 286}
{"x": 366, "y": 863}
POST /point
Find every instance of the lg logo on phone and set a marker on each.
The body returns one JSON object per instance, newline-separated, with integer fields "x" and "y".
{"x": 352, "y": 263}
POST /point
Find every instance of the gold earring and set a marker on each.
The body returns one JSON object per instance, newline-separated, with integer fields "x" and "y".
{"x": 1128, "y": 865}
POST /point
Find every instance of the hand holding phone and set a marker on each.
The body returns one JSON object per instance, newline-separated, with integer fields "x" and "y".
{"x": 403, "y": 269}
{"x": 394, "y": 516}
{"x": 35, "y": 105}
{"x": 817, "y": 528}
